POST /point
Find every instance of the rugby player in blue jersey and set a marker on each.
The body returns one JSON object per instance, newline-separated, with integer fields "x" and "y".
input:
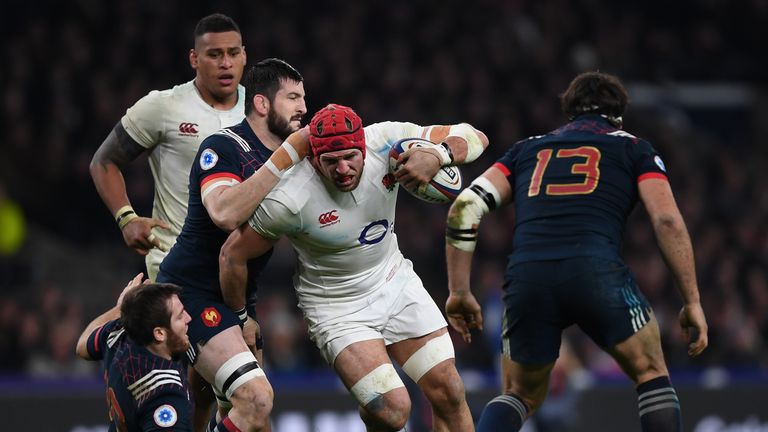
{"x": 233, "y": 170}
{"x": 141, "y": 341}
{"x": 573, "y": 189}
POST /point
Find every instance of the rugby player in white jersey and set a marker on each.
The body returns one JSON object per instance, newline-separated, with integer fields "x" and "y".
{"x": 363, "y": 302}
{"x": 170, "y": 125}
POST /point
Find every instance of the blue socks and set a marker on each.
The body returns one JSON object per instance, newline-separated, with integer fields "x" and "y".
{"x": 659, "y": 407}
{"x": 503, "y": 413}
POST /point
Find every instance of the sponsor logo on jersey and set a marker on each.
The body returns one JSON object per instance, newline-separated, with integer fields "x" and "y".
{"x": 328, "y": 219}
{"x": 165, "y": 416}
{"x": 208, "y": 159}
{"x": 389, "y": 182}
{"x": 188, "y": 129}
{"x": 660, "y": 163}
{"x": 211, "y": 317}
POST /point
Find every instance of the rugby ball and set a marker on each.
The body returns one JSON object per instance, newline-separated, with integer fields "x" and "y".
{"x": 444, "y": 186}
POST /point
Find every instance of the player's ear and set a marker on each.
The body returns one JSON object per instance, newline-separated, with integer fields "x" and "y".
{"x": 160, "y": 334}
{"x": 261, "y": 104}
{"x": 193, "y": 58}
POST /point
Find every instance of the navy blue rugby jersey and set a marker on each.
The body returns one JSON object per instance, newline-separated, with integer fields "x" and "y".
{"x": 144, "y": 392}
{"x": 232, "y": 153}
{"x": 574, "y": 187}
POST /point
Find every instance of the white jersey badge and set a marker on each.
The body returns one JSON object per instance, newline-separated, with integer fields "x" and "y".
{"x": 165, "y": 416}
{"x": 208, "y": 159}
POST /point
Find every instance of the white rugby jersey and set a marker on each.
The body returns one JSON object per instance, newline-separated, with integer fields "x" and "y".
{"x": 345, "y": 241}
{"x": 171, "y": 124}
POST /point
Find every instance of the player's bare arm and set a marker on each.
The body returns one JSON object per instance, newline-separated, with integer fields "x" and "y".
{"x": 242, "y": 245}
{"x": 114, "y": 154}
{"x": 459, "y": 144}
{"x": 112, "y": 314}
{"x": 485, "y": 194}
{"x": 675, "y": 245}
{"x": 230, "y": 207}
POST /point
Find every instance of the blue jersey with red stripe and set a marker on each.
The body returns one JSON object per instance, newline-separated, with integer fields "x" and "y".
{"x": 574, "y": 187}
{"x": 232, "y": 153}
{"x": 145, "y": 392}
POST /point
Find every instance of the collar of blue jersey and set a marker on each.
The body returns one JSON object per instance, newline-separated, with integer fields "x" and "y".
{"x": 613, "y": 121}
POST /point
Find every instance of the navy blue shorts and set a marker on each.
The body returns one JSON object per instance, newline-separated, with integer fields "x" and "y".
{"x": 210, "y": 316}
{"x": 544, "y": 297}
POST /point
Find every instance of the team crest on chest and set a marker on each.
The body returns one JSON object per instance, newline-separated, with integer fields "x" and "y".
{"x": 389, "y": 182}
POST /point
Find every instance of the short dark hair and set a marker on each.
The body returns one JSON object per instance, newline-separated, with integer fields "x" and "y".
{"x": 264, "y": 78}
{"x": 215, "y": 23}
{"x": 594, "y": 92}
{"x": 146, "y": 307}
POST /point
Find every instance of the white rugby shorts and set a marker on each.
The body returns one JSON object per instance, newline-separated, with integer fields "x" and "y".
{"x": 400, "y": 309}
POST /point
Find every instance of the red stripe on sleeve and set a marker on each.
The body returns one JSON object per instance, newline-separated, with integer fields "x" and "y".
{"x": 652, "y": 175}
{"x": 229, "y": 426}
{"x": 96, "y": 339}
{"x": 503, "y": 169}
{"x": 220, "y": 175}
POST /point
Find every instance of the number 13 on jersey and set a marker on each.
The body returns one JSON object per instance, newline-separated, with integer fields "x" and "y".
{"x": 590, "y": 169}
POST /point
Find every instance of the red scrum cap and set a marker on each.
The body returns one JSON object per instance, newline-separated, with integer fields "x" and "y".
{"x": 336, "y": 127}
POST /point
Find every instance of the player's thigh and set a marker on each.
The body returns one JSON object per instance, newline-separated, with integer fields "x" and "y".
{"x": 429, "y": 361}
{"x": 413, "y": 319}
{"x": 365, "y": 369}
{"x": 421, "y": 356}
{"x": 640, "y": 355}
{"x": 533, "y": 320}
{"x": 528, "y": 381}
{"x": 227, "y": 363}
{"x": 604, "y": 299}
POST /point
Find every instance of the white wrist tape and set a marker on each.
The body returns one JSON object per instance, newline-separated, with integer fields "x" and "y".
{"x": 474, "y": 145}
{"x": 445, "y": 155}
{"x": 275, "y": 170}
{"x": 291, "y": 152}
{"x": 466, "y": 212}
{"x": 378, "y": 381}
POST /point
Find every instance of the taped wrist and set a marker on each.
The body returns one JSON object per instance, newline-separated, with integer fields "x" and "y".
{"x": 446, "y": 155}
{"x": 284, "y": 157}
{"x": 125, "y": 215}
{"x": 467, "y": 133}
{"x": 242, "y": 314}
{"x": 466, "y": 212}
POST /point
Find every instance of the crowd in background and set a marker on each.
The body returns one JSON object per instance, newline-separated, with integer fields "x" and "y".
{"x": 72, "y": 68}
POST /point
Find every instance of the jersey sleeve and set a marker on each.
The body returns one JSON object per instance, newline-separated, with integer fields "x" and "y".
{"x": 646, "y": 162}
{"x": 273, "y": 218}
{"x": 97, "y": 340}
{"x": 168, "y": 411}
{"x": 506, "y": 163}
{"x": 144, "y": 121}
{"x": 380, "y": 137}
{"x": 217, "y": 160}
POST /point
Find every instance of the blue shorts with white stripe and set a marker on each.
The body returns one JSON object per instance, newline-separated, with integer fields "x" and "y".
{"x": 542, "y": 298}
